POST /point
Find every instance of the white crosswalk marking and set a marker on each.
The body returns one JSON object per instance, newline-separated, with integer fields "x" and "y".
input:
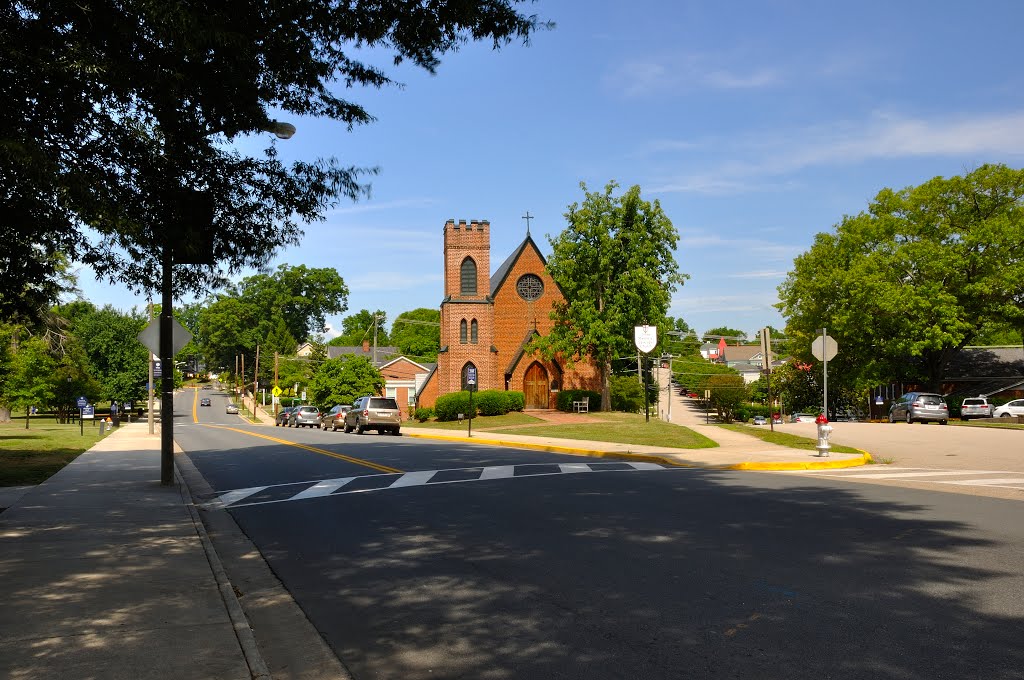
{"x": 413, "y": 479}
{"x": 498, "y": 472}
{"x": 381, "y": 482}
{"x": 996, "y": 479}
{"x": 324, "y": 488}
{"x": 1017, "y": 482}
{"x": 238, "y": 494}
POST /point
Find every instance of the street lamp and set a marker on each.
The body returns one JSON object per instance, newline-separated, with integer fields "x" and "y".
{"x": 282, "y": 131}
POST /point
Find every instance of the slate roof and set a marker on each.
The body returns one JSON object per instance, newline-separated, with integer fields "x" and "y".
{"x": 499, "y": 276}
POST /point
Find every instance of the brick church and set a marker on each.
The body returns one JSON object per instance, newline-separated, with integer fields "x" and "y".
{"x": 487, "y": 321}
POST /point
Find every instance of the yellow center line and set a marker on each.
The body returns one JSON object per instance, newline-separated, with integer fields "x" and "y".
{"x": 350, "y": 459}
{"x": 195, "y": 400}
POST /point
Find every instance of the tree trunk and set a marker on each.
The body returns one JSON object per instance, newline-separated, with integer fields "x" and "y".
{"x": 606, "y": 392}
{"x": 5, "y": 414}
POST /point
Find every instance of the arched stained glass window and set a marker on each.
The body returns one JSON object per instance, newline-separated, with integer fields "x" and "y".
{"x": 468, "y": 277}
{"x": 473, "y": 332}
{"x": 462, "y": 331}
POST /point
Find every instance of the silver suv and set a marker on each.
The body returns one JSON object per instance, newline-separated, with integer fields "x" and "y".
{"x": 374, "y": 413}
{"x": 919, "y": 406}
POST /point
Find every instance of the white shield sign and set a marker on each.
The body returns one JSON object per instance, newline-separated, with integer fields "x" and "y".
{"x": 646, "y": 337}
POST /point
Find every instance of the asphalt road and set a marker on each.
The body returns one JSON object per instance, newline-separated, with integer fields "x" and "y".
{"x": 545, "y": 570}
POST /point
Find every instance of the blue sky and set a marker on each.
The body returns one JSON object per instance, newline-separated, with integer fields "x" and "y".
{"x": 755, "y": 124}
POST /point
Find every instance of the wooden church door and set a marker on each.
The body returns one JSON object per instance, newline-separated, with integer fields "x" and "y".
{"x": 535, "y": 387}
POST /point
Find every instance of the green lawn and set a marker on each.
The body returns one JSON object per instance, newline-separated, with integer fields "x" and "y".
{"x": 31, "y": 456}
{"x": 784, "y": 439}
{"x": 621, "y": 428}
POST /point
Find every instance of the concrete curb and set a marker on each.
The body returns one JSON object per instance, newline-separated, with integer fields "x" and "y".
{"x": 651, "y": 458}
{"x": 243, "y": 631}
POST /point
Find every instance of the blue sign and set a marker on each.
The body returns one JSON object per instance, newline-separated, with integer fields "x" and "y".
{"x": 82, "y": 402}
{"x": 471, "y": 375}
{"x": 88, "y": 412}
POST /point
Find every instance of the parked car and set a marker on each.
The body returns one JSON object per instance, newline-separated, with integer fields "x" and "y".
{"x": 802, "y": 418}
{"x": 975, "y": 407}
{"x": 207, "y": 387}
{"x": 283, "y": 415}
{"x": 231, "y": 409}
{"x": 919, "y": 406}
{"x": 205, "y": 401}
{"x": 374, "y": 413}
{"x": 760, "y": 420}
{"x": 1010, "y": 408}
{"x": 335, "y": 418}
{"x": 305, "y": 416}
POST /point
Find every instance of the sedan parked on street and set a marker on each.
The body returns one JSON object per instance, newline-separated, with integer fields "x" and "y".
{"x": 305, "y": 416}
{"x": 283, "y": 415}
{"x": 920, "y": 406}
{"x": 1011, "y": 408}
{"x": 334, "y": 419}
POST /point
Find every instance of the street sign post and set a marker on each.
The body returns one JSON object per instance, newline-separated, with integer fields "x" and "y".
{"x": 766, "y": 367}
{"x": 82, "y": 403}
{"x": 471, "y": 385}
{"x": 824, "y": 348}
{"x": 646, "y": 339}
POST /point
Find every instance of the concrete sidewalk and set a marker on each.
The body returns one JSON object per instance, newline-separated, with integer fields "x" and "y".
{"x": 105, "y": 575}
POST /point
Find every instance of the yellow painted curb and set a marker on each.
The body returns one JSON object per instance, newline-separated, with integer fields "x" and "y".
{"x": 649, "y": 458}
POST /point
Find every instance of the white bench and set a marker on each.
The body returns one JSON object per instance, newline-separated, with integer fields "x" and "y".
{"x": 581, "y": 406}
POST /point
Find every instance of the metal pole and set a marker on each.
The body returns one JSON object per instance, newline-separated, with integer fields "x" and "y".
{"x": 151, "y": 417}
{"x": 647, "y": 405}
{"x": 167, "y": 370}
{"x": 255, "y": 381}
{"x": 824, "y": 370}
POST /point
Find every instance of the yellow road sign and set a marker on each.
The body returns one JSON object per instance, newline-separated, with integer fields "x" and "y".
{"x": 276, "y": 391}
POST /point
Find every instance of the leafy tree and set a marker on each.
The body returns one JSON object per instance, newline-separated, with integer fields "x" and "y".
{"x": 731, "y": 335}
{"x": 31, "y": 378}
{"x": 117, "y": 360}
{"x": 907, "y": 284}
{"x": 417, "y": 333}
{"x": 615, "y": 264}
{"x": 301, "y": 295}
{"x": 134, "y": 137}
{"x": 343, "y": 380}
{"x": 358, "y": 327}
{"x": 728, "y": 392}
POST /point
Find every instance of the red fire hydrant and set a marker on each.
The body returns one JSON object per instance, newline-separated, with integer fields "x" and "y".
{"x": 824, "y": 432}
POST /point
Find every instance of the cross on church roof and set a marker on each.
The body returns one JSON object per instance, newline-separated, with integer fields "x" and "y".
{"x": 528, "y": 217}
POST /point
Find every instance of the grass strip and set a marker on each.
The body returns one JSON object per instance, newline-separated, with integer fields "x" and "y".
{"x": 784, "y": 438}
{"x": 32, "y": 456}
{"x": 620, "y": 428}
{"x": 481, "y": 423}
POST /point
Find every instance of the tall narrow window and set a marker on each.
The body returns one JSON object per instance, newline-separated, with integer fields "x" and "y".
{"x": 462, "y": 331}
{"x": 468, "y": 277}
{"x": 473, "y": 331}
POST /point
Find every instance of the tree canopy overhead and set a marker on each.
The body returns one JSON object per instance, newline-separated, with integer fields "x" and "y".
{"x": 118, "y": 121}
{"x": 905, "y": 285}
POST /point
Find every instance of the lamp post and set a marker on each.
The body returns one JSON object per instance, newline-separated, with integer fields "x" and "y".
{"x": 282, "y": 131}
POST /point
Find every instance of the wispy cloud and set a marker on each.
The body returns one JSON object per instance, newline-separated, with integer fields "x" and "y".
{"x": 368, "y": 205}
{"x": 762, "y": 274}
{"x": 762, "y": 160}
{"x": 680, "y": 73}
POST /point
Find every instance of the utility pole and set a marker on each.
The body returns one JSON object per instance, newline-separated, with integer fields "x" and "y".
{"x": 275, "y": 385}
{"x": 242, "y": 382}
{"x": 255, "y": 381}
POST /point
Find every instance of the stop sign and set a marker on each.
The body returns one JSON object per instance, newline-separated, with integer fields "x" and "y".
{"x": 824, "y": 348}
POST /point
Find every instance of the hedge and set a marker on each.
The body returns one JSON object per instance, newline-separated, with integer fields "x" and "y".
{"x": 485, "y": 403}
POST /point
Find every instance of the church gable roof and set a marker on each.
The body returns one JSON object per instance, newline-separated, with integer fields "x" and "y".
{"x": 522, "y": 351}
{"x": 503, "y": 271}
